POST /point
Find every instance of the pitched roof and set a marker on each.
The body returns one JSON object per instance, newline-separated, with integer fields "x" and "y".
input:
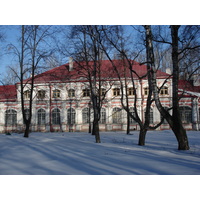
{"x": 8, "y": 93}
{"x": 80, "y": 69}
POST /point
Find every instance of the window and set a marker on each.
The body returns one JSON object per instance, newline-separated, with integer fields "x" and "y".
{"x": 116, "y": 92}
{"x": 56, "y": 94}
{"x": 117, "y": 115}
{"x": 85, "y": 115}
{"x": 41, "y": 116}
{"x": 186, "y": 114}
{"x": 103, "y": 116}
{"x": 164, "y": 91}
{"x": 71, "y": 114}
{"x": 56, "y": 116}
{"x": 131, "y": 91}
{"x": 11, "y": 117}
{"x": 71, "y": 93}
{"x": 146, "y": 91}
{"x": 132, "y": 121}
{"x": 102, "y": 92}
{"x": 86, "y": 93}
{"x": 41, "y": 94}
{"x": 27, "y": 94}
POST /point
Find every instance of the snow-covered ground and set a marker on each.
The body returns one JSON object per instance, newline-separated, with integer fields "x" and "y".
{"x": 117, "y": 154}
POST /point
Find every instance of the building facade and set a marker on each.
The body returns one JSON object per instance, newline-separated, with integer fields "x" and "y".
{"x": 61, "y": 101}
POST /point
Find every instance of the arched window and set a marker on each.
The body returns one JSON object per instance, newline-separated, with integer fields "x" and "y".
{"x": 85, "y": 115}
{"x": 11, "y": 117}
{"x": 56, "y": 93}
{"x": 186, "y": 114}
{"x": 103, "y": 116}
{"x": 117, "y": 115}
{"x": 132, "y": 121}
{"x": 71, "y": 116}
{"x": 56, "y": 116}
{"x": 41, "y": 116}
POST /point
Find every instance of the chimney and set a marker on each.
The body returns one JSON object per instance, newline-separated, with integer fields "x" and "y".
{"x": 70, "y": 63}
{"x": 168, "y": 71}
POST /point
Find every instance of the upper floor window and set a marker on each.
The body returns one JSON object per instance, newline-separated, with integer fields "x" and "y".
{"x": 131, "y": 91}
{"x": 146, "y": 91}
{"x": 71, "y": 93}
{"x": 56, "y": 93}
{"x": 27, "y": 94}
{"x": 102, "y": 92}
{"x": 164, "y": 91}
{"x": 11, "y": 117}
{"x": 41, "y": 94}
{"x": 86, "y": 92}
{"x": 116, "y": 92}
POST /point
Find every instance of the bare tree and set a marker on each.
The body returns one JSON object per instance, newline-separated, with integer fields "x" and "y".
{"x": 34, "y": 48}
{"x": 174, "y": 120}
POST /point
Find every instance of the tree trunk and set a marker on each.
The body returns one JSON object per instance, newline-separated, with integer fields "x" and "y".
{"x": 142, "y": 136}
{"x": 27, "y": 130}
{"x": 128, "y": 124}
{"x": 95, "y": 131}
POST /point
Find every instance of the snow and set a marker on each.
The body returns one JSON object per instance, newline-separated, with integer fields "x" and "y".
{"x": 117, "y": 154}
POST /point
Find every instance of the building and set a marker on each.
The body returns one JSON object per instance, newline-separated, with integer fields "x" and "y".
{"x": 62, "y": 99}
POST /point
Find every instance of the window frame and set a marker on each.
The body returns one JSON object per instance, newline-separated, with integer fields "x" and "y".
{"x": 71, "y": 93}
{"x": 71, "y": 116}
{"x": 41, "y": 94}
{"x": 117, "y": 115}
{"x": 56, "y": 119}
{"x": 56, "y": 93}
{"x": 41, "y": 116}
{"x": 116, "y": 92}
{"x": 10, "y": 117}
{"x": 86, "y": 92}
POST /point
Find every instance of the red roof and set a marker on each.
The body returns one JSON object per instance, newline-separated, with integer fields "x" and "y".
{"x": 187, "y": 85}
{"x": 8, "y": 93}
{"x": 81, "y": 69}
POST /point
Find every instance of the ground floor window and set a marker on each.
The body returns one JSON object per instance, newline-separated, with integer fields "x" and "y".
{"x": 103, "y": 116}
{"x": 11, "y": 117}
{"x": 186, "y": 114}
{"x": 56, "y": 116}
{"x": 71, "y": 114}
{"x": 117, "y": 115}
{"x": 41, "y": 116}
{"x": 85, "y": 115}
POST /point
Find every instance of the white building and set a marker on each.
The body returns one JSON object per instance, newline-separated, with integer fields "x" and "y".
{"x": 62, "y": 100}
